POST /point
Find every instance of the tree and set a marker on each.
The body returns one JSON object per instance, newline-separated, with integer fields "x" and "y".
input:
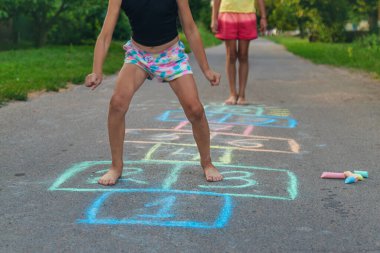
{"x": 45, "y": 14}
{"x": 371, "y": 9}
{"x": 10, "y": 10}
{"x": 289, "y": 15}
{"x": 323, "y": 19}
{"x": 201, "y": 10}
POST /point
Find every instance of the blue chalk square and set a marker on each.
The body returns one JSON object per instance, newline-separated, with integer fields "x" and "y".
{"x": 234, "y": 119}
{"x": 157, "y": 207}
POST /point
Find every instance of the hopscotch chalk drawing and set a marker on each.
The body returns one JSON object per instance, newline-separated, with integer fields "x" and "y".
{"x": 158, "y": 209}
{"x": 162, "y": 200}
{"x": 240, "y": 181}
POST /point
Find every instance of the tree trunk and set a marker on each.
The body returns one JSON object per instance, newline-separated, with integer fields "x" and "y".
{"x": 372, "y": 20}
{"x": 378, "y": 18}
{"x": 40, "y": 37}
{"x": 302, "y": 26}
{"x": 15, "y": 34}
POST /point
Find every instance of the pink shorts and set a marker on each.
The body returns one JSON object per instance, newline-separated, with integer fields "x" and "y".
{"x": 237, "y": 26}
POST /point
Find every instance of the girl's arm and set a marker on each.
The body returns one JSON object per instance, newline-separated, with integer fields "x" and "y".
{"x": 192, "y": 34}
{"x": 263, "y": 17}
{"x": 215, "y": 14}
{"x": 102, "y": 44}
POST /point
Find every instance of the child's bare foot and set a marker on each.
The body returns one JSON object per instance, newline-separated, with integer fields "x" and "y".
{"x": 110, "y": 177}
{"x": 242, "y": 101}
{"x": 212, "y": 174}
{"x": 231, "y": 100}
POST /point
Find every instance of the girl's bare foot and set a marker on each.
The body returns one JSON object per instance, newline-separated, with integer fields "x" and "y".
{"x": 111, "y": 177}
{"x": 241, "y": 101}
{"x": 231, "y": 100}
{"x": 212, "y": 174}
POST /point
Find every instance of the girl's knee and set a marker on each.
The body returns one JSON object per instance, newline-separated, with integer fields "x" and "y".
{"x": 232, "y": 57}
{"x": 243, "y": 58}
{"x": 119, "y": 103}
{"x": 194, "y": 112}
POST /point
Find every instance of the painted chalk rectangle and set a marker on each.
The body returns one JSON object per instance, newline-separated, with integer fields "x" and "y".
{"x": 249, "y": 182}
{"x": 185, "y": 125}
{"x": 253, "y": 109}
{"x": 174, "y": 152}
{"x": 249, "y": 109}
{"x": 234, "y": 119}
{"x": 220, "y": 140}
{"x": 157, "y": 207}
{"x": 136, "y": 174}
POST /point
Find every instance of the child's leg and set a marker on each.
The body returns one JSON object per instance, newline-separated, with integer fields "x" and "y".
{"x": 130, "y": 78}
{"x": 243, "y": 69}
{"x": 231, "y": 57}
{"x": 186, "y": 91}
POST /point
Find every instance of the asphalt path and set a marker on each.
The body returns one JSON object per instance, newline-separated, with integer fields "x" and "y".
{"x": 303, "y": 119}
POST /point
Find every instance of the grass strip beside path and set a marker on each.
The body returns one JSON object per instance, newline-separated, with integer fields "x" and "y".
{"x": 53, "y": 67}
{"x": 208, "y": 39}
{"x": 49, "y": 68}
{"x": 337, "y": 54}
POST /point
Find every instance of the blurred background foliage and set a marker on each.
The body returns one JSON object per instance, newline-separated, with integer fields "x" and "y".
{"x": 325, "y": 20}
{"x": 35, "y": 23}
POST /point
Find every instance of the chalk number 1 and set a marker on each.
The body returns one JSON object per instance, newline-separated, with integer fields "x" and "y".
{"x": 164, "y": 204}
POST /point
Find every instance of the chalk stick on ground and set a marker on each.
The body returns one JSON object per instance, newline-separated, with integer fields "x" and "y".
{"x": 362, "y": 173}
{"x": 333, "y": 175}
{"x": 350, "y": 174}
{"x": 350, "y": 180}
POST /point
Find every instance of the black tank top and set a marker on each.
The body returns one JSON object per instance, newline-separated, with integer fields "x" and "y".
{"x": 153, "y": 22}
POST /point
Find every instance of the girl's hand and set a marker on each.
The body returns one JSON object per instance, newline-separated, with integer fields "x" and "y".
{"x": 214, "y": 26}
{"x": 93, "y": 80}
{"x": 263, "y": 25}
{"x": 213, "y": 77}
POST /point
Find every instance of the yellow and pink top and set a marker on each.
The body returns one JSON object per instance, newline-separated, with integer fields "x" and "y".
{"x": 237, "y": 6}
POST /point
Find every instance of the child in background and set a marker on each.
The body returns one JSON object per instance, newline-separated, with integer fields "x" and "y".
{"x": 234, "y": 21}
{"x": 154, "y": 52}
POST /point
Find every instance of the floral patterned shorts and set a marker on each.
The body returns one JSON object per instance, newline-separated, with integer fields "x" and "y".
{"x": 165, "y": 66}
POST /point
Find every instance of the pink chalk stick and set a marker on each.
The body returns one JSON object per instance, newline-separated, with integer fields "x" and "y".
{"x": 335, "y": 175}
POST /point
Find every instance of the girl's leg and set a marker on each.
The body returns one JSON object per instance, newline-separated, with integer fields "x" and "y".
{"x": 130, "y": 78}
{"x": 185, "y": 89}
{"x": 243, "y": 49}
{"x": 231, "y": 57}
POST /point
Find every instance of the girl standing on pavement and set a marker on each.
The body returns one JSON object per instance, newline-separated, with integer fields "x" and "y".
{"x": 154, "y": 52}
{"x": 234, "y": 21}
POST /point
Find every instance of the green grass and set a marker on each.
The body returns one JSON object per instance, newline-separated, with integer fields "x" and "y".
{"x": 208, "y": 39}
{"x": 53, "y": 67}
{"x": 347, "y": 55}
{"x": 49, "y": 68}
